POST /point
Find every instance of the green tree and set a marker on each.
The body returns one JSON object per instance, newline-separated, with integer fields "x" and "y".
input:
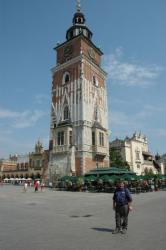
{"x": 79, "y": 183}
{"x": 116, "y": 159}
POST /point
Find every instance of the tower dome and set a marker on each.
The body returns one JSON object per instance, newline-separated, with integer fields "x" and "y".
{"x": 79, "y": 26}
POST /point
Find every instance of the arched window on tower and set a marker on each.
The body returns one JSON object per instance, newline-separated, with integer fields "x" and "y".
{"x": 95, "y": 81}
{"x": 66, "y": 113}
{"x": 66, "y": 78}
{"x": 79, "y": 20}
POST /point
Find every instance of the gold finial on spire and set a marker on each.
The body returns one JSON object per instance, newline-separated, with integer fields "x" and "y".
{"x": 78, "y": 6}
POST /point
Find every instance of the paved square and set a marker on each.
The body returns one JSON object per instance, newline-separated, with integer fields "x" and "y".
{"x": 78, "y": 221}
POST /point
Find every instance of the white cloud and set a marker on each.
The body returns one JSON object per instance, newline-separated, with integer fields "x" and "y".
{"x": 124, "y": 122}
{"x": 20, "y": 119}
{"x": 150, "y": 111}
{"x": 28, "y": 119}
{"x": 5, "y": 113}
{"x": 130, "y": 73}
{"x": 10, "y": 124}
{"x": 11, "y": 145}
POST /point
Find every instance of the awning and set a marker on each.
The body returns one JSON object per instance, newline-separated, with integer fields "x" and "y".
{"x": 109, "y": 171}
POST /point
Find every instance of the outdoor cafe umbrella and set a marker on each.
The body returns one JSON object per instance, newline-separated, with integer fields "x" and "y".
{"x": 146, "y": 177}
{"x": 6, "y": 179}
{"x": 105, "y": 178}
{"x": 90, "y": 178}
{"x": 129, "y": 177}
{"x": 161, "y": 177}
{"x": 114, "y": 178}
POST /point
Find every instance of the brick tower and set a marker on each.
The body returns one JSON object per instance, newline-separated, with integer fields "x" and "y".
{"x": 79, "y": 116}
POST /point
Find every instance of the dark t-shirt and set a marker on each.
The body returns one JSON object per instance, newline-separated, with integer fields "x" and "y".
{"x": 122, "y": 196}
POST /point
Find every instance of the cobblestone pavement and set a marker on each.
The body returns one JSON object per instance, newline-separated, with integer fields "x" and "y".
{"x": 78, "y": 221}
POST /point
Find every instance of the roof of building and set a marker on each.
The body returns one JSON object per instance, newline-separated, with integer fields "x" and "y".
{"x": 147, "y": 153}
{"x": 98, "y": 125}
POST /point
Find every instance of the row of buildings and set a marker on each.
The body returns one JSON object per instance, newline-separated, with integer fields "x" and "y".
{"x": 32, "y": 165}
{"x": 133, "y": 150}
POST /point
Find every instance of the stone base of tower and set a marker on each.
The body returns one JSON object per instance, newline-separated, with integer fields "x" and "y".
{"x": 91, "y": 164}
{"x": 58, "y": 165}
{"x": 74, "y": 163}
{"x": 84, "y": 162}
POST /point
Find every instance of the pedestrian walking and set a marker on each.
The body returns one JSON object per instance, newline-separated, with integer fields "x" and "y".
{"x": 36, "y": 185}
{"x": 50, "y": 185}
{"x": 122, "y": 201}
{"x": 25, "y": 187}
{"x": 42, "y": 186}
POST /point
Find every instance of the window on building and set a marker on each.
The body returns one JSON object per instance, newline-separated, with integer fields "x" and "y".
{"x": 70, "y": 137}
{"x": 60, "y": 138}
{"x": 66, "y": 113}
{"x": 66, "y": 78}
{"x": 26, "y": 165}
{"x": 96, "y": 115}
{"x": 101, "y": 139}
{"x": 79, "y": 20}
{"x": 137, "y": 155}
{"x": 37, "y": 163}
{"x": 146, "y": 171}
{"x": 71, "y": 34}
{"x": 93, "y": 138}
{"x": 95, "y": 81}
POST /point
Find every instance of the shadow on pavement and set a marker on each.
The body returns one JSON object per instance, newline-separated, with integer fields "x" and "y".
{"x": 77, "y": 216}
{"x": 101, "y": 229}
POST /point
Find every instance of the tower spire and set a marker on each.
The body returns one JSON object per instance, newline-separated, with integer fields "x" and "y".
{"x": 78, "y": 6}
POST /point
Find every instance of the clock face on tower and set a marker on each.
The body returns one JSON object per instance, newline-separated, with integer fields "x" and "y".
{"x": 68, "y": 51}
{"x": 91, "y": 53}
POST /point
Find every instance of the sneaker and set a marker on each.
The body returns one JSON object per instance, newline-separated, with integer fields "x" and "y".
{"x": 124, "y": 231}
{"x": 116, "y": 231}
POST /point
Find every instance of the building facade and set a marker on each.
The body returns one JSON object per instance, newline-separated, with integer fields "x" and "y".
{"x": 31, "y": 165}
{"x": 79, "y": 126}
{"x": 17, "y": 166}
{"x": 135, "y": 152}
{"x": 38, "y": 162}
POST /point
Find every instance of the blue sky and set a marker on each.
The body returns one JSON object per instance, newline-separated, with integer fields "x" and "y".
{"x": 131, "y": 34}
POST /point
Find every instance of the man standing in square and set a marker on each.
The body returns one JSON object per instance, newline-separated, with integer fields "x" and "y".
{"x": 122, "y": 200}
